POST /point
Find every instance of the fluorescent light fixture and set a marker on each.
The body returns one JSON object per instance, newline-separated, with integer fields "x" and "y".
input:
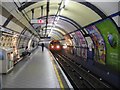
{"x": 102, "y": 0}
{"x": 66, "y": 2}
{"x": 29, "y": 0}
{"x": 55, "y": 22}
{"x": 61, "y": 6}
{"x": 50, "y": 32}
{"x": 53, "y": 26}
{"x": 57, "y": 18}
{"x": 61, "y": 12}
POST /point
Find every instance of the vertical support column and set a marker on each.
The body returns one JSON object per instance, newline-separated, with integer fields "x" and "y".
{"x": 41, "y": 11}
{"x": 41, "y": 16}
{"x": 32, "y": 13}
{"x": 47, "y": 13}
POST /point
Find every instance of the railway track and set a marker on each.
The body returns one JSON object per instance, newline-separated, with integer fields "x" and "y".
{"x": 79, "y": 77}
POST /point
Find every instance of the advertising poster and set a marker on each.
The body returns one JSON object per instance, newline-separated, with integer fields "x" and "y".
{"x": 76, "y": 40}
{"x": 112, "y": 40}
{"x": 9, "y": 59}
{"x": 71, "y": 35}
{"x": 75, "y": 43}
{"x": 99, "y": 44}
{"x": 82, "y": 44}
{"x": 90, "y": 48}
{"x": 1, "y": 55}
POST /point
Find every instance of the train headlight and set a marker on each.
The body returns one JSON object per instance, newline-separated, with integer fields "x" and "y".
{"x": 57, "y": 46}
{"x": 52, "y": 46}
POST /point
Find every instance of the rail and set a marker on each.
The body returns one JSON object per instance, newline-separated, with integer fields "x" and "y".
{"x": 79, "y": 77}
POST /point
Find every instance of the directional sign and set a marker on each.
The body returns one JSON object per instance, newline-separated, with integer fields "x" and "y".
{"x": 37, "y": 21}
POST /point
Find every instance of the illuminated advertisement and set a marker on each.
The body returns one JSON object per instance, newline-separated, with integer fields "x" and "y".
{"x": 71, "y": 35}
{"x": 99, "y": 44}
{"x": 112, "y": 39}
{"x": 74, "y": 42}
{"x": 90, "y": 51}
{"x": 81, "y": 39}
{"x": 82, "y": 51}
{"x": 1, "y": 55}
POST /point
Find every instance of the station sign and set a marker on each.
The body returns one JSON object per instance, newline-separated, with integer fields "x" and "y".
{"x": 39, "y": 21}
{"x": 45, "y": 37}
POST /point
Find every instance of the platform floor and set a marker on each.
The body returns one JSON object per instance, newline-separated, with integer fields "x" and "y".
{"x": 36, "y": 71}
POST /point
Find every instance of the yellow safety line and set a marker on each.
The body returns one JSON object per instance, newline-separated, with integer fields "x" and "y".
{"x": 58, "y": 76}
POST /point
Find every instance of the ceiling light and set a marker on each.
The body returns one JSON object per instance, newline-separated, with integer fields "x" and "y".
{"x": 57, "y": 18}
{"x": 53, "y": 26}
{"x": 61, "y": 12}
{"x": 29, "y": 0}
{"x": 55, "y": 22}
{"x": 66, "y": 2}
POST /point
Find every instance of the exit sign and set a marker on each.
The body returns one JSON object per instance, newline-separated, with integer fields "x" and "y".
{"x": 40, "y": 21}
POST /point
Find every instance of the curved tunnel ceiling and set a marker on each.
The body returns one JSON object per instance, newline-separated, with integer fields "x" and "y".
{"x": 63, "y": 26}
{"x": 73, "y": 10}
{"x": 78, "y": 12}
{"x": 72, "y": 15}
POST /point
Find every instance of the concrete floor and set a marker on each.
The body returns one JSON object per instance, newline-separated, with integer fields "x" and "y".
{"x": 36, "y": 71}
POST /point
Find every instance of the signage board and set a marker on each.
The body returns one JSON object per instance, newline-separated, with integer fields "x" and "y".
{"x": 40, "y": 21}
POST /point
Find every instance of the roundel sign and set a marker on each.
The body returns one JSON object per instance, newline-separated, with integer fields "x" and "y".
{"x": 40, "y": 21}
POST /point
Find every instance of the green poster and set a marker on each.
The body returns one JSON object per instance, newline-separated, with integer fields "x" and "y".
{"x": 112, "y": 41}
